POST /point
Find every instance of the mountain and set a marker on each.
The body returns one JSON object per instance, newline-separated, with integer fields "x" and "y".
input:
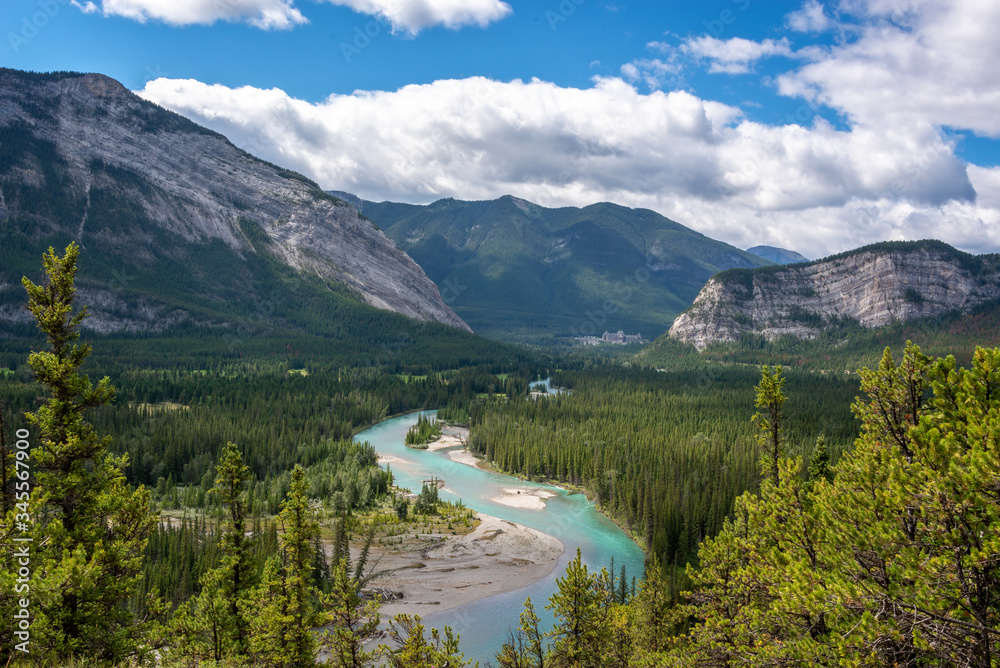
{"x": 871, "y": 287}
{"x": 777, "y": 255}
{"x": 515, "y": 270}
{"x": 180, "y": 228}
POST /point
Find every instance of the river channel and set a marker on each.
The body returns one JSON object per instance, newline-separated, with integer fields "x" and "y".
{"x": 570, "y": 518}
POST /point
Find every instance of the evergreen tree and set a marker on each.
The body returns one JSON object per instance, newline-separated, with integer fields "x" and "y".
{"x": 353, "y": 621}
{"x": 414, "y": 650}
{"x": 819, "y": 463}
{"x": 524, "y": 647}
{"x": 580, "y": 609}
{"x": 90, "y": 529}
{"x": 652, "y": 622}
{"x": 769, "y": 418}
{"x": 237, "y": 566}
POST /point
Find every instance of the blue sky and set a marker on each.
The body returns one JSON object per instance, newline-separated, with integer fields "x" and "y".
{"x": 809, "y": 125}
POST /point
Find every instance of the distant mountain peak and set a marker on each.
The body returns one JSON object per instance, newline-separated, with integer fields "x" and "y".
{"x": 777, "y": 255}
{"x": 517, "y": 270}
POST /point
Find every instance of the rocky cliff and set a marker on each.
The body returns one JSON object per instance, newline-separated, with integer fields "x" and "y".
{"x": 83, "y": 158}
{"x": 871, "y": 286}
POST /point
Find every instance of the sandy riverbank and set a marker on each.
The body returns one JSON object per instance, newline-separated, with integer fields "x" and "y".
{"x": 451, "y": 437}
{"x": 441, "y": 573}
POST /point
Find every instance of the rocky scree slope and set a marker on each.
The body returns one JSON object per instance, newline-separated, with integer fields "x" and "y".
{"x": 872, "y": 286}
{"x": 83, "y": 158}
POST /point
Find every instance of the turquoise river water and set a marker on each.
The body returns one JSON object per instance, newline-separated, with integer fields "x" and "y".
{"x": 570, "y": 518}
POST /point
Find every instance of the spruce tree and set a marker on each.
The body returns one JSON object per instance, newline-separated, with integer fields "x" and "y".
{"x": 237, "y": 566}
{"x": 770, "y": 419}
{"x": 579, "y": 607}
{"x": 90, "y": 529}
{"x": 353, "y": 620}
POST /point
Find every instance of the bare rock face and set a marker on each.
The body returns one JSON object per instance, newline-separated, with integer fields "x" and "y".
{"x": 872, "y": 286}
{"x": 194, "y": 184}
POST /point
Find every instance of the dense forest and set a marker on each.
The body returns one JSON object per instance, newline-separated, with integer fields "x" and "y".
{"x": 664, "y": 453}
{"x": 886, "y": 558}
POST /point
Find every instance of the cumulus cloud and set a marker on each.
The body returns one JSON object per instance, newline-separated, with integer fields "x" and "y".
{"x": 265, "y": 14}
{"x": 412, "y": 16}
{"x": 735, "y": 55}
{"x": 811, "y": 17}
{"x": 816, "y": 189}
{"x": 910, "y": 64}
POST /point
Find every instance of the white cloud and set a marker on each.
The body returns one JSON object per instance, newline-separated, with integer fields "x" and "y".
{"x": 265, "y": 14}
{"x": 654, "y": 72}
{"x": 412, "y": 16}
{"x": 814, "y": 189}
{"x": 810, "y": 18}
{"x": 735, "y": 55}
{"x": 923, "y": 64}
{"x": 87, "y": 8}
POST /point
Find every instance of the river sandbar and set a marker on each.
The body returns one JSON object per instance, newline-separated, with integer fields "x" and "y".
{"x": 524, "y": 497}
{"x": 444, "y": 572}
{"x": 451, "y": 437}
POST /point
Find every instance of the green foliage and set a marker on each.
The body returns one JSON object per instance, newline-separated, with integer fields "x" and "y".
{"x": 581, "y": 607}
{"x": 354, "y": 620}
{"x": 423, "y": 432}
{"x": 415, "y": 650}
{"x": 235, "y": 571}
{"x": 886, "y": 559}
{"x": 427, "y": 500}
{"x": 87, "y": 529}
{"x": 770, "y": 419}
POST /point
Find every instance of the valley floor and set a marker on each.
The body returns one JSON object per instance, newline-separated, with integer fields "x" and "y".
{"x": 439, "y": 571}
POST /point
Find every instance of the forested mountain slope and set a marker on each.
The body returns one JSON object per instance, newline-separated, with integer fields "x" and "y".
{"x": 179, "y": 228}
{"x": 516, "y": 270}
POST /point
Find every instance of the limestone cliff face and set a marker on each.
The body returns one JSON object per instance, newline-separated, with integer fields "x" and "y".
{"x": 872, "y": 286}
{"x": 89, "y": 132}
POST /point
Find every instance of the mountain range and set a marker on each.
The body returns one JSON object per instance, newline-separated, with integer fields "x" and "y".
{"x": 185, "y": 234}
{"x": 778, "y": 255}
{"x": 515, "y": 270}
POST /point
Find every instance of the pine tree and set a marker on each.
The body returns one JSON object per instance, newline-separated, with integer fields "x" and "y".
{"x": 353, "y": 621}
{"x": 524, "y": 647}
{"x": 414, "y": 650}
{"x": 579, "y": 607}
{"x": 237, "y": 566}
{"x": 653, "y": 621}
{"x": 90, "y": 529}
{"x": 769, "y": 418}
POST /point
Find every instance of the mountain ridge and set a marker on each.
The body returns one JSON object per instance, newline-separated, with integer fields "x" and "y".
{"x": 82, "y": 157}
{"x": 517, "y": 269}
{"x": 872, "y": 286}
{"x": 778, "y": 255}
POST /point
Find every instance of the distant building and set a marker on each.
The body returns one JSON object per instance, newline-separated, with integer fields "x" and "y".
{"x": 621, "y": 338}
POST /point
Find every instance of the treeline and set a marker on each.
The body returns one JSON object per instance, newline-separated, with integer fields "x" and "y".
{"x": 664, "y": 453}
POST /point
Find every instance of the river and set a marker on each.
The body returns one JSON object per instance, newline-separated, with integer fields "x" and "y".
{"x": 571, "y": 518}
